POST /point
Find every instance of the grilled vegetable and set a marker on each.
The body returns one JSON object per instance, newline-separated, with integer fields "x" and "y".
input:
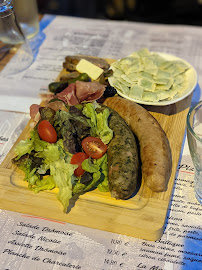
{"x": 69, "y": 75}
{"x": 53, "y": 86}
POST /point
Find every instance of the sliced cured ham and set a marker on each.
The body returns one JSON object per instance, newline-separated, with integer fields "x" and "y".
{"x": 34, "y": 109}
{"x": 80, "y": 91}
{"x": 68, "y": 95}
{"x": 57, "y": 105}
{"x": 46, "y": 98}
{"x": 34, "y": 114}
{"x": 89, "y": 91}
{"x": 73, "y": 94}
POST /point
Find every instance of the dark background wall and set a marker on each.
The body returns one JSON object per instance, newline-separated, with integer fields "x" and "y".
{"x": 158, "y": 11}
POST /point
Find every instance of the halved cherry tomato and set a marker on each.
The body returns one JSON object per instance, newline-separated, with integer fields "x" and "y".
{"x": 94, "y": 147}
{"x": 78, "y": 158}
{"x": 47, "y": 132}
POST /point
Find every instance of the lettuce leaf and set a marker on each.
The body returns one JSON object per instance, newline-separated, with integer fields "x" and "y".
{"x": 39, "y": 145}
{"x": 30, "y": 144}
{"x": 104, "y": 185}
{"x": 103, "y": 130}
{"x": 24, "y": 147}
{"x": 89, "y": 111}
{"x": 47, "y": 183}
{"x": 100, "y": 171}
{"x": 49, "y": 156}
{"x": 90, "y": 166}
{"x": 58, "y": 161}
{"x": 62, "y": 173}
{"x": 99, "y": 123}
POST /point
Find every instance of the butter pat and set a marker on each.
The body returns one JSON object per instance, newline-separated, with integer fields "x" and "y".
{"x": 92, "y": 70}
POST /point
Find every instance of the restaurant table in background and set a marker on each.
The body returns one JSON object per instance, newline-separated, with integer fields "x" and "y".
{"x": 29, "y": 242}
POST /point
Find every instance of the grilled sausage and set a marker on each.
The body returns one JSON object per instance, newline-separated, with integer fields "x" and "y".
{"x": 155, "y": 150}
{"x": 123, "y": 158}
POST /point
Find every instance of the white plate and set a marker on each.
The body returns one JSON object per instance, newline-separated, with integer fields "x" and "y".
{"x": 191, "y": 84}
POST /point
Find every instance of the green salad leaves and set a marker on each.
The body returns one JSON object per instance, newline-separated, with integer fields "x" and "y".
{"x": 47, "y": 165}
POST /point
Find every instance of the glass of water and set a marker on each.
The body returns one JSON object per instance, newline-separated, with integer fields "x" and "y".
{"x": 27, "y": 15}
{"x": 13, "y": 39}
{"x": 194, "y": 136}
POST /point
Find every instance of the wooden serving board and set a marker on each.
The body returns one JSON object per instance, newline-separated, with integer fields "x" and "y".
{"x": 142, "y": 216}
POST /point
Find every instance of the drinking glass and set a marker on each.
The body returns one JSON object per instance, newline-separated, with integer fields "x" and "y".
{"x": 194, "y": 136}
{"x": 13, "y": 39}
{"x": 27, "y": 15}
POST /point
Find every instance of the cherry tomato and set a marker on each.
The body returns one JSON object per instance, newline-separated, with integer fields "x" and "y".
{"x": 94, "y": 147}
{"x": 47, "y": 132}
{"x": 78, "y": 158}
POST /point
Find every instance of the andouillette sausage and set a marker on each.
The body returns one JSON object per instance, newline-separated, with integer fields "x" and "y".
{"x": 155, "y": 152}
{"x": 123, "y": 158}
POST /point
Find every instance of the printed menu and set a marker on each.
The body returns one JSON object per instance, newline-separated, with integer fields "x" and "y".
{"x": 31, "y": 242}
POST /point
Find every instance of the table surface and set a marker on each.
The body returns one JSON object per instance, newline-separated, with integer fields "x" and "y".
{"x": 180, "y": 237}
